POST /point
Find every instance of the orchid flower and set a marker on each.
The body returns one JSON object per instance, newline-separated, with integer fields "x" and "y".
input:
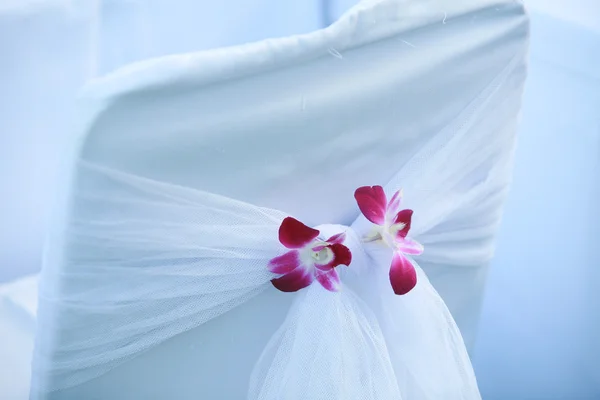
{"x": 392, "y": 226}
{"x": 310, "y": 258}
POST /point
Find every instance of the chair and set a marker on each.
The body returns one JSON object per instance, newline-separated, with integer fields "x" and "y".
{"x": 422, "y": 95}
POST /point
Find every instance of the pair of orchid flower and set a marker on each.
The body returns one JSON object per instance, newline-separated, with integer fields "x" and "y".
{"x": 311, "y": 258}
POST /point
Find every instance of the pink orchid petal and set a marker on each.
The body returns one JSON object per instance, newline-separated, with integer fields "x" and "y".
{"x": 324, "y": 267}
{"x": 404, "y": 217}
{"x": 392, "y": 207}
{"x": 341, "y": 254}
{"x": 293, "y": 234}
{"x": 372, "y": 203}
{"x": 403, "y": 275}
{"x": 285, "y": 263}
{"x": 339, "y": 238}
{"x": 330, "y": 280}
{"x": 409, "y": 246}
{"x": 298, "y": 279}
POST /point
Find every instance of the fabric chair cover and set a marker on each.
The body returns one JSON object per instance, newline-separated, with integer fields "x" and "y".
{"x": 172, "y": 155}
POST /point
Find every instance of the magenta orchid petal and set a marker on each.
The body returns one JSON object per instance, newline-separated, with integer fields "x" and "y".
{"x": 372, "y": 203}
{"x": 394, "y": 204}
{"x": 298, "y": 279}
{"x": 409, "y": 246}
{"x": 325, "y": 267}
{"x": 285, "y": 263}
{"x": 404, "y": 217}
{"x": 341, "y": 255}
{"x": 330, "y": 280}
{"x": 403, "y": 275}
{"x": 293, "y": 234}
{"x": 337, "y": 239}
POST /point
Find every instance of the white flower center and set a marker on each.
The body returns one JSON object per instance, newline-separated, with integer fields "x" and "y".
{"x": 322, "y": 256}
{"x": 395, "y": 228}
{"x": 388, "y": 238}
{"x": 386, "y": 233}
{"x": 317, "y": 252}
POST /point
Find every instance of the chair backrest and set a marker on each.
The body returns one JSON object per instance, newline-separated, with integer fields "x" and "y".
{"x": 56, "y": 46}
{"x": 294, "y": 124}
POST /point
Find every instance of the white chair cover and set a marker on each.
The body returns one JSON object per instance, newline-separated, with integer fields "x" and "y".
{"x": 18, "y": 303}
{"x": 158, "y": 234}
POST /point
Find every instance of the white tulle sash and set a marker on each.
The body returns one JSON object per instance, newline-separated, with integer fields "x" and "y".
{"x": 146, "y": 261}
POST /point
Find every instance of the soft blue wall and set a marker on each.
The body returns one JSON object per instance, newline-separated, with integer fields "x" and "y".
{"x": 539, "y": 330}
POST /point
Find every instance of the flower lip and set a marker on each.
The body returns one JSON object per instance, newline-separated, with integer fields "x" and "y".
{"x": 402, "y": 222}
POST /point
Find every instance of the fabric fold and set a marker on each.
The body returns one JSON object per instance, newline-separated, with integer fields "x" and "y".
{"x": 329, "y": 347}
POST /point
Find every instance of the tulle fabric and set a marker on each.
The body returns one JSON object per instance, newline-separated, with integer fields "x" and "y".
{"x": 157, "y": 260}
{"x": 423, "y": 342}
{"x": 365, "y": 342}
{"x": 329, "y": 347}
{"x": 148, "y": 260}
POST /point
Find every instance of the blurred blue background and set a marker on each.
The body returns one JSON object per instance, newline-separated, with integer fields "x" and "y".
{"x": 539, "y": 335}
